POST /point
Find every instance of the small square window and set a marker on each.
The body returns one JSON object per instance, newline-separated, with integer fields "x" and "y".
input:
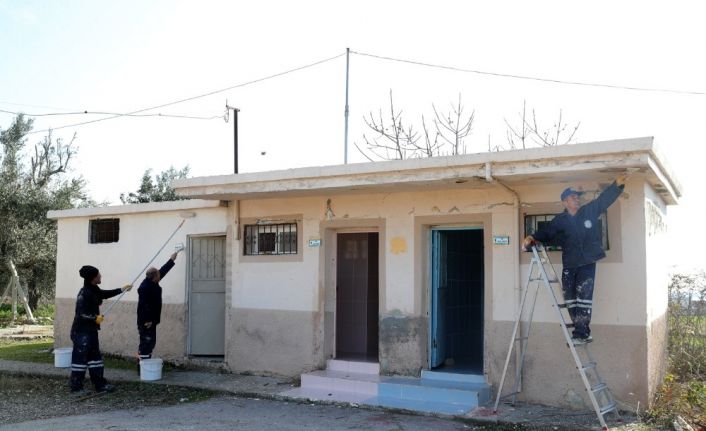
{"x": 104, "y": 230}
{"x": 270, "y": 239}
{"x": 535, "y": 222}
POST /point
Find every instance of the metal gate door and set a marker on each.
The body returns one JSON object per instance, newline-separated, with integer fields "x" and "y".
{"x": 207, "y": 296}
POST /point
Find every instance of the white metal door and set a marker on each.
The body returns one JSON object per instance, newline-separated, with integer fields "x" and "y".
{"x": 207, "y": 296}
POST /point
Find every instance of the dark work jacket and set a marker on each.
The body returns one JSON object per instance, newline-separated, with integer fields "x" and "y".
{"x": 149, "y": 305}
{"x": 88, "y": 302}
{"x": 578, "y": 235}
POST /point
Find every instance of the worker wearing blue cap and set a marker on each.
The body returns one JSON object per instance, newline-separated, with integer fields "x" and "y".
{"x": 577, "y": 232}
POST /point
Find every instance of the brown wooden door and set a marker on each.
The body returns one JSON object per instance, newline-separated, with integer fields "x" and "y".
{"x": 357, "y": 296}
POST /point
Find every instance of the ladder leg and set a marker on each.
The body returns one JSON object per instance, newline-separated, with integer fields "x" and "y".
{"x": 524, "y": 341}
{"x": 512, "y": 338}
{"x": 600, "y": 410}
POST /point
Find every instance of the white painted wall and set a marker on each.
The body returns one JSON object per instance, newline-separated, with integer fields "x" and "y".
{"x": 141, "y": 235}
{"x": 656, "y": 225}
{"x": 620, "y": 293}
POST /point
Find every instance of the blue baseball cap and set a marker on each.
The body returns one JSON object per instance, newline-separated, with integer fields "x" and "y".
{"x": 568, "y": 192}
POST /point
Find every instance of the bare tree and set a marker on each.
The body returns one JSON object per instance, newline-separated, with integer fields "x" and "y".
{"x": 517, "y": 136}
{"x": 456, "y": 125}
{"x": 561, "y": 133}
{"x": 392, "y": 141}
{"x": 397, "y": 140}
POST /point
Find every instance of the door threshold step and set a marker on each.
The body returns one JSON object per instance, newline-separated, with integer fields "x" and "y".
{"x": 453, "y": 377}
{"x": 329, "y": 380}
{"x": 360, "y": 367}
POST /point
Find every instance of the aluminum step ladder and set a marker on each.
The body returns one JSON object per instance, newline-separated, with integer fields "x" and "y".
{"x": 542, "y": 272}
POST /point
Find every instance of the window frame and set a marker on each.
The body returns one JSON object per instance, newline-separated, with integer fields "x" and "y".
{"x": 96, "y": 236}
{"x": 605, "y": 230}
{"x": 254, "y": 233}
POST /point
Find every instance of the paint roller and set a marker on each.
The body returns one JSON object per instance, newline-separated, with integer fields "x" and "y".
{"x": 178, "y": 248}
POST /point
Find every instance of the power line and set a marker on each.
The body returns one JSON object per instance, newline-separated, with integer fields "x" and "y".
{"x": 530, "y": 78}
{"x": 210, "y": 93}
{"x": 51, "y": 114}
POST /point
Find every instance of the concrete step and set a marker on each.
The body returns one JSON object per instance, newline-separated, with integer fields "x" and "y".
{"x": 469, "y": 395}
{"x": 340, "y": 381}
{"x": 353, "y": 366}
{"x": 420, "y": 406}
{"x": 453, "y": 377}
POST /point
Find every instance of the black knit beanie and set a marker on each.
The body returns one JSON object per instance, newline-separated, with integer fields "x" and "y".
{"x": 88, "y": 272}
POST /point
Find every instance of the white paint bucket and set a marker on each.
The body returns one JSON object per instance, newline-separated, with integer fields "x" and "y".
{"x": 62, "y": 357}
{"x": 151, "y": 369}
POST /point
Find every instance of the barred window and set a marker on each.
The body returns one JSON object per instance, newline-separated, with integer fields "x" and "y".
{"x": 270, "y": 239}
{"x": 103, "y": 230}
{"x": 537, "y": 222}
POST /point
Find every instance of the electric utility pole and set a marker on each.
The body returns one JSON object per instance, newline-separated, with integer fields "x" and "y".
{"x": 235, "y": 135}
{"x": 345, "y": 114}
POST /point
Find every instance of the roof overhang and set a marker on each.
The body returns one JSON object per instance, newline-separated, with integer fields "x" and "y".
{"x": 595, "y": 161}
{"x": 151, "y": 207}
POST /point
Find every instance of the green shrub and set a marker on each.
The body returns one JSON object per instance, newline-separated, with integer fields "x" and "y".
{"x": 683, "y": 392}
{"x": 675, "y": 398}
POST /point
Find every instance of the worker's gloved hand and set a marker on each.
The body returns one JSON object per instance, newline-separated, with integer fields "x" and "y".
{"x": 528, "y": 242}
{"x": 99, "y": 319}
{"x": 620, "y": 181}
{"x": 127, "y": 287}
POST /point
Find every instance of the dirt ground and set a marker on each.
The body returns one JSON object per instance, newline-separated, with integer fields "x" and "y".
{"x": 24, "y": 398}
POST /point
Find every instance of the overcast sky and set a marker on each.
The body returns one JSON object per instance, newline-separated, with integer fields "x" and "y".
{"x": 124, "y": 56}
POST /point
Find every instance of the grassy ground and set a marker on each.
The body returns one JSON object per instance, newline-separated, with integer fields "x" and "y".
{"x": 41, "y": 351}
{"x": 44, "y": 314}
{"x": 24, "y": 398}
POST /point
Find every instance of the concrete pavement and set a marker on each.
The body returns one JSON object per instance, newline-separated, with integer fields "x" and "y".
{"x": 229, "y": 413}
{"x": 270, "y": 388}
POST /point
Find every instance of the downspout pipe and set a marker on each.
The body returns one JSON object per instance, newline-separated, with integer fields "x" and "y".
{"x": 516, "y": 202}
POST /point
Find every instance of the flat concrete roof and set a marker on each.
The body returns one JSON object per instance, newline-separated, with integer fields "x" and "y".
{"x": 593, "y": 161}
{"x": 183, "y": 205}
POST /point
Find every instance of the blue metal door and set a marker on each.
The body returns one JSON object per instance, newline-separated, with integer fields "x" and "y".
{"x": 439, "y": 290}
{"x": 456, "y": 299}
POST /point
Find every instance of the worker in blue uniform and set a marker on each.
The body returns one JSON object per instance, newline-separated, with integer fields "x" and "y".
{"x": 577, "y": 231}
{"x": 86, "y": 353}
{"x": 149, "y": 307}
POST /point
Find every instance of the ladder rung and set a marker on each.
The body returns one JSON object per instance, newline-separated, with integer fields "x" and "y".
{"x": 608, "y": 408}
{"x": 551, "y": 280}
{"x": 588, "y": 366}
{"x": 569, "y": 325}
{"x": 561, "y": 305}
{"x": 521, "y": 338}
{"x": 599, "y": 388}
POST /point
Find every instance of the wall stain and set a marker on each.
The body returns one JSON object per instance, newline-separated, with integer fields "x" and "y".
{"x": 402, "y": 344}
{"x": 398, "y": 245}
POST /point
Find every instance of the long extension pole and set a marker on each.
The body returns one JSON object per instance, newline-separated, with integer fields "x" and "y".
{"x": 139, "y": 274}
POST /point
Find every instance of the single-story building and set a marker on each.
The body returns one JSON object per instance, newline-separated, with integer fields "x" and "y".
{"x": 413, "y": 266}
